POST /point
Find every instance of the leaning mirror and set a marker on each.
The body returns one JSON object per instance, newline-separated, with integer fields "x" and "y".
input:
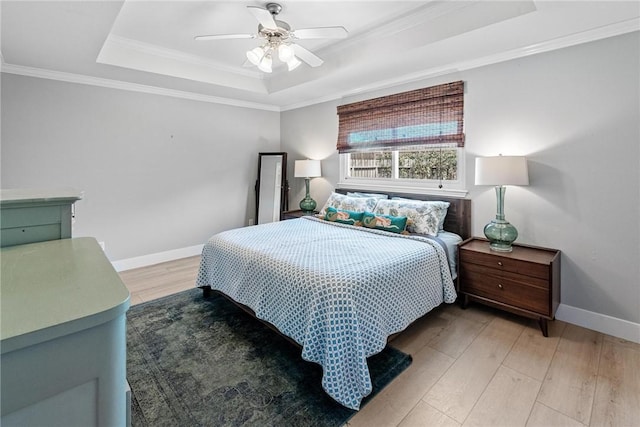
{"x": 271, "y": 187}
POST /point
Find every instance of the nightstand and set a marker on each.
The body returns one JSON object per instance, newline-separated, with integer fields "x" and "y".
{"x": 295, "y": 214}
{"x": 525, "y": 281}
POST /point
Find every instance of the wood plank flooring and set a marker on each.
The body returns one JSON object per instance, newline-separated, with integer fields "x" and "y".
{"x": 479, "y": 367}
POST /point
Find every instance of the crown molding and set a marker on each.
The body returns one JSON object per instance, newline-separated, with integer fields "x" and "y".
{"x": 383, "y": 84}
{"x": 596, "y": 34}
{"x": 175, "y": 55}
{"x": 134, "y": 87}
{"x": 612, "y": 30}
{"x": 417, "y": 17}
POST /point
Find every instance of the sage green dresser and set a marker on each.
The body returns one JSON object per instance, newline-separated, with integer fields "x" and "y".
{"x": 32, "y": 215}
{"x": 62, "y": 336}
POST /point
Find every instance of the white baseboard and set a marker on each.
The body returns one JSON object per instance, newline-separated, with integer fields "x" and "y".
{"x": 599, "y": 322}
{"x": 145, "y": 260}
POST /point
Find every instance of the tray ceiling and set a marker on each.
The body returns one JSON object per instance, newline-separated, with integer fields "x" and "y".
{"x": 147, "y": 44}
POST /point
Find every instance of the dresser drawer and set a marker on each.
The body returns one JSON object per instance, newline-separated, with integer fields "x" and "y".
{"x": 31, "y": 215}
{"x": 25, "y": 217}
{"x": 24, "y": 235}
{"x": 503, "y": 263}
{"x": 506, "y": 291}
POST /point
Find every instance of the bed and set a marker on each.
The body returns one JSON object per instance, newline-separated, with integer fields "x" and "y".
{"x": 336, "y": 290}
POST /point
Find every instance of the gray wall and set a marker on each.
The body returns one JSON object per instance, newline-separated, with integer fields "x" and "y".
{"x": 161, "y": 173}
{"x": 575, "y": 114}
{"x": 158, "y": 173}
{"x": 311, "y": 133}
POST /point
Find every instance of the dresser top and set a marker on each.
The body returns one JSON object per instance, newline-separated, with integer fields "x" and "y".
{"x": 56, "y": 288}
{"x": 23, "y": 195}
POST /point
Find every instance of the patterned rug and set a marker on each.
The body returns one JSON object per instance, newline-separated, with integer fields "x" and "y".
{"x": 193, "y": 361}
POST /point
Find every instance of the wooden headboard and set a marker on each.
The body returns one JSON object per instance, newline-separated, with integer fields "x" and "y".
{"x": 458, "y": 219}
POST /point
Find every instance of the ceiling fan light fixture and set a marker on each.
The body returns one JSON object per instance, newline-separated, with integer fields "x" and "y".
{"x": 255, "y": 55}
{"x": 293, "y": 63}
{"x": 278, "y": 37}
{"x": 285, "y": 52}
{"x": 265, "y": 64}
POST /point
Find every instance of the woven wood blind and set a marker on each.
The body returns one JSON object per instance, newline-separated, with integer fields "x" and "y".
{"x": 432, "y": 115}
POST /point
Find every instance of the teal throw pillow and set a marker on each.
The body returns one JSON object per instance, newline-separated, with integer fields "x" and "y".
{"x": 343, "y": 216}
{"x": 394, "y": 224}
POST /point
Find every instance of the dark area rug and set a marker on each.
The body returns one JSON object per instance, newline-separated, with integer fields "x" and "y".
{"x": 193, "y": 361}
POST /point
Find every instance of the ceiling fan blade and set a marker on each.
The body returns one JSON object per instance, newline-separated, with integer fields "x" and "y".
{"x": 263, "y": 16}
{"x": 321, "y": 33}
{"x": 225, "y": 36}
{"x": 307, "y": 56}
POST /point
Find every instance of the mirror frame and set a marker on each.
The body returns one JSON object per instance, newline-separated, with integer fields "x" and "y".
{"x": 284, "y": 187}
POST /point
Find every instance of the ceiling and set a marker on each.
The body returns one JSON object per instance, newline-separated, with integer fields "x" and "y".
{"x": 149, "y": 46}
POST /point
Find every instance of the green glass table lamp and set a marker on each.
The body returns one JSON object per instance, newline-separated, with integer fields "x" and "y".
{"x": 307, "y": 169}
{"x": 500, "y": 171}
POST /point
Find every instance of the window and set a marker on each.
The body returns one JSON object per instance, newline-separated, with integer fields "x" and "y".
{"x": 407, "y": 140}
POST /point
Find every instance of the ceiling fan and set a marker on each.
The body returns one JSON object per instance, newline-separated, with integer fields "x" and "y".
{"x": 280, "y": 39}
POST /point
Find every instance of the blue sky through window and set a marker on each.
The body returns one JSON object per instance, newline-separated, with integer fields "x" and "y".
{"x": 405, "y": 132}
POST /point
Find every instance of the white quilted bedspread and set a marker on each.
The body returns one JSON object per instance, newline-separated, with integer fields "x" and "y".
{"x": 337, "y": 290}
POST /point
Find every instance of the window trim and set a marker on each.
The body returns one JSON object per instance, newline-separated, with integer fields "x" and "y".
{"x": 433, "y": 105}
{"x": 417, "y": 186}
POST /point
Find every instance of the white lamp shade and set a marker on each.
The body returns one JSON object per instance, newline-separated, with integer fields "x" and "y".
{"x": 255, "y": 55}
{"x": 502, "y": 170}
{"x": 265, "y": 64}
{"x": 285, "y": 52}
{"x": 307, "y": 169}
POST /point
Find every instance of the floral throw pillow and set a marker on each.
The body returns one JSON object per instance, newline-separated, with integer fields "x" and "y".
{"x": 346, "y": 203}
{"x": 424, "y": 217}
{"x": 440, "y": 207}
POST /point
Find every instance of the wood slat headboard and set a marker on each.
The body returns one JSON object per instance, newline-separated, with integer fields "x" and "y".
{"x": 458, "y": 219}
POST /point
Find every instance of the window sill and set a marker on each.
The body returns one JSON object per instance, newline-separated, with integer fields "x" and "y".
{"x": 399, "y": 188}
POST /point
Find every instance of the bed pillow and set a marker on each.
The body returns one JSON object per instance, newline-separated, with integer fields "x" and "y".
{"x": 343, "y": 216}
{"x": 394, "y": 224}
{"x": 376, "y": 195}
{"x": 347, "y": 203}
{"x": 439, "y": 207}
{"x": 424, "y": 217}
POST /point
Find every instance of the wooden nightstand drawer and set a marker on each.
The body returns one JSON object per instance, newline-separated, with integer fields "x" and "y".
{"x": 506, "y": 291}
{"x": 506, "y": 264}
{"x": 506, "y": 275}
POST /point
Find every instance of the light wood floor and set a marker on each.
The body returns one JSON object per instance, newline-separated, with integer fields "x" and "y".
{"x": 480, "y": 367}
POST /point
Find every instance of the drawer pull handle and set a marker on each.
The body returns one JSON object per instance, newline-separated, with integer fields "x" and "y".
{"x": 500, "y": 263}
{"x": 500, "y": 286}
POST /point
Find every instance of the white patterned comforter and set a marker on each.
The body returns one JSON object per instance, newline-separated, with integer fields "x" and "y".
{"x": 337, "y": 290}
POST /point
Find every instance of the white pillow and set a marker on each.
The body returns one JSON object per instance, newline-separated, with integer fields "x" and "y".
{"x": 376, "y": 195}
{"x": 354, "y": 204}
